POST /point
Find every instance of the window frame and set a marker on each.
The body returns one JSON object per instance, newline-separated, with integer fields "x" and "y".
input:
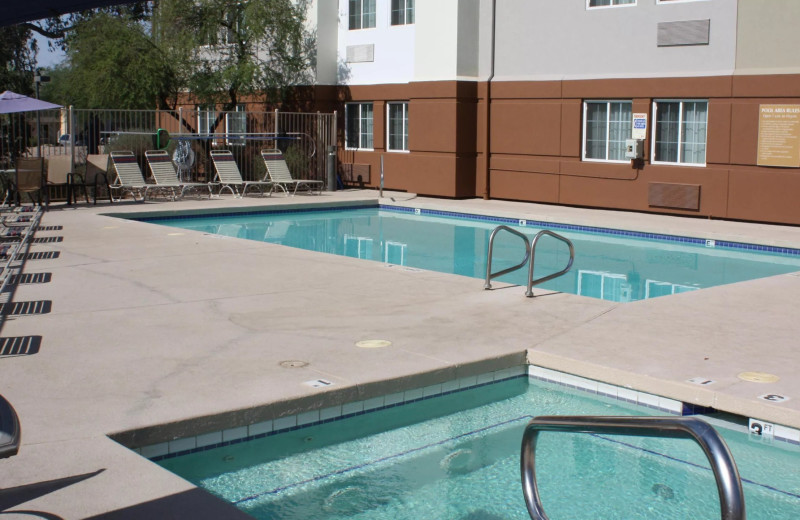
{"x": 361, "y": 15}
{"x": 240, "y": 112}
{"x": 359, "y": 118}
{"x": 608, "y": 103}
{"x": 405, "y": 12}
{"x": 681, "y": 141}
{"x": 404, "y": 104}
{"x": 203, "y": 120}
{"x": 612, "y": 6}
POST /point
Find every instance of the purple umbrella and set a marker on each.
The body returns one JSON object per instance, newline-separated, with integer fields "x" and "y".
{"x": 12, "y": 102}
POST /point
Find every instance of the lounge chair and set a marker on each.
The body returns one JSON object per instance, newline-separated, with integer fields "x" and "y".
{"x": 230, "y": 178}
{"x": 166, "y": 177}
{"x": 278, "y": 173}
{"x": 128, "y": 176}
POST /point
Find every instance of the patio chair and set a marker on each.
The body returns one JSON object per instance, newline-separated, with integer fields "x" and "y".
{"x": 128, "y": 176}
{"x": 230, "y": 178}
{"x": 59, "y": 169}
{"x": 166, "y": 177}
{"x": 30, "y": 179}
{"x": 278, "y": 173}
{"x": 96, "y": 176}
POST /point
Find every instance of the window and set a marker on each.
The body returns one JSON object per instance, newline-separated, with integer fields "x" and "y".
{"x": 606, "y": 126}
{"x": 609, "y": 3}
{"x": 236, "y": 123}
{"x": 680, "y": 132}
{"x": 358, "y": 125}
{"x": 402, "y": 12}
{"x": 206, "y": 117}
{"x": 397, "y": 131}
{"x": 362, "y": 14}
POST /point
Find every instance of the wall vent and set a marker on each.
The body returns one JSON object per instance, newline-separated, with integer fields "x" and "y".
{"x": 689, "y": 32}
{"x": 361, "y": 53}
{"x": 676, "y": 196}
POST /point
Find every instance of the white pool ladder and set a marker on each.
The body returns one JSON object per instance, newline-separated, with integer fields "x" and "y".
{"x": 729, "y": 484}
{"x": 530, "y": 254}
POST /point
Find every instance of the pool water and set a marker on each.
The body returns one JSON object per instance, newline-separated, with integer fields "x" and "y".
{"x": 607, "y": 267}
{"x": 457, "y": 457}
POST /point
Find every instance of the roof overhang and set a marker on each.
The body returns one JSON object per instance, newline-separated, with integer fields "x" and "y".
{"x": 29, "y": 10}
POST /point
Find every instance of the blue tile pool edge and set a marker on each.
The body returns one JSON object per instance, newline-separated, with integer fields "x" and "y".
{"x": 661, "y": 237}
{"x": 236, "y": 435}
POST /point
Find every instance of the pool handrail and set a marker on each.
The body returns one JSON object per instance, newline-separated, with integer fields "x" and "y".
{"x": 530, "y": 258}
{"x": 729, "y": 484}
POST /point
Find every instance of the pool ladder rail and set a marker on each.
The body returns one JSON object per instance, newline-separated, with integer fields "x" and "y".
{"x": 729, "y": 484}
{"x": 530, "y": 256}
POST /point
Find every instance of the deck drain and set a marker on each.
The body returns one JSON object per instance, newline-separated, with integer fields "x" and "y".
{"x": 758, "y": 377}
{"x": 292, "y": 363}
{"x": 373, "y": 343}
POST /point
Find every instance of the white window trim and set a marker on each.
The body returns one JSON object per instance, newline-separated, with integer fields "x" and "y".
{"x": 592, "y": 8}
{"x": 202, "y": 115}
{"x": 388, "y": 122}
{"x": 404, "y": 24}
{"x": 680, "y": 122}
{"x": 359, "y": 103}
{"x": 362, "y": 28}
{"x": 240, "y": 141}
{"x": 608, "y": 123}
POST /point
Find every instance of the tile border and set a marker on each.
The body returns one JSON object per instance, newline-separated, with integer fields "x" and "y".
{"x": 236, "y": 435}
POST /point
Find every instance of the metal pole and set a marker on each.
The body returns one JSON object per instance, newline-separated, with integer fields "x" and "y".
{"x": 381, "y": 189}
{"x": 331, "y": 168}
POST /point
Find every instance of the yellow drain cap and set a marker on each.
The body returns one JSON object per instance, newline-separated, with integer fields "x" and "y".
{"x": 373, "y": 343}
{"x": 758, "y": 377}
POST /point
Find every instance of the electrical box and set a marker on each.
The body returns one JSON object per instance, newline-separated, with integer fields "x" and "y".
{"x": 634, "y": 148}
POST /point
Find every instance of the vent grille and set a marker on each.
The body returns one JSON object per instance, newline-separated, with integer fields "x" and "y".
{"x": 361, "y": 53}
{"x": 675, "y": 196}
{"x": 690, "y": 32}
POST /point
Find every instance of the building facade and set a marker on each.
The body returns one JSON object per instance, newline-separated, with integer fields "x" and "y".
{"x": 534, "y": 101}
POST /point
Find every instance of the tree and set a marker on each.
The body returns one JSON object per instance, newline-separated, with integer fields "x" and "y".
{"x": 227, "y": 49}
{"x": 17, "y": 59}
{"x": 113, "y": 63}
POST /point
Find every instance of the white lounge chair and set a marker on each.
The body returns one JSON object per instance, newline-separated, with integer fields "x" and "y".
{"x": 278, "y": 173}
{"x": 165, "y": 175}
{"x": 229, "y": 176}
{"x": 128, "y": 176}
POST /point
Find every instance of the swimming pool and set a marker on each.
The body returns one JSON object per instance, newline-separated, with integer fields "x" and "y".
{"x": 609, "y": 264}
{"x": 457, "y": 457}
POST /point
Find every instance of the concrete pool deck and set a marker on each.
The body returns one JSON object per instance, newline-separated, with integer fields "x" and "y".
{"x": 168, "y": 333}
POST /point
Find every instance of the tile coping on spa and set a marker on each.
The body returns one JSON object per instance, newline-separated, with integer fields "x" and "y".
{"x": 236, "y": 435}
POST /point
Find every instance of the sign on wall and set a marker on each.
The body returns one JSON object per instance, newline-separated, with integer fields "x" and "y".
{"x": 639, "y": 129}
{"x": 779, "y": 136}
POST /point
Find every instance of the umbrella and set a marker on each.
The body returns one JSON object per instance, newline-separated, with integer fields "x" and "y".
{"x": 12, "y": 102}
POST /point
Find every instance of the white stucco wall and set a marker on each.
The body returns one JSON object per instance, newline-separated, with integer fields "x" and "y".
{"x": 322, "y": 21}
{"x": 393, "y": 51}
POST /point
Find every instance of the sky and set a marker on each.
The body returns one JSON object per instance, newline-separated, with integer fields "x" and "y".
{"x": 46, "y": 57}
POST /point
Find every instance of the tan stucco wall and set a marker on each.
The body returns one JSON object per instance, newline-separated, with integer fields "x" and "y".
{"x": 768, "y": 37}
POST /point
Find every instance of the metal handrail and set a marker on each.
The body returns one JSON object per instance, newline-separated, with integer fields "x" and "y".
{"x": 489, "y": 275}
{"x": 729, "y": 484}
{"x": 530, "y": 258}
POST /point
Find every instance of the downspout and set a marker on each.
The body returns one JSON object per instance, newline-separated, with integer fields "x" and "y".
{"x": 486, "y": 146}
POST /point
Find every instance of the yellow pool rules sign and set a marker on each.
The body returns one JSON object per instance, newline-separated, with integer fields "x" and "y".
{"x": 779, "y": 136}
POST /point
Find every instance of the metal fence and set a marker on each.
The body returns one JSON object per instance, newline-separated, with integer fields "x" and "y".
{"x": 193, "y": 134}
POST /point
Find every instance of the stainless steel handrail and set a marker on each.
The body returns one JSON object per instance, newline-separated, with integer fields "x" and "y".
{"x": 729, "y": 483}
{"x": 489, "y": 275}
{"x": 531, "y": 281}
{"x": 530, "y": 252}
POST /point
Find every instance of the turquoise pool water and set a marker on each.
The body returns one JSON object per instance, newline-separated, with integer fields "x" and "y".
{"x": 607, "y": 266}
{"x": 457, "y": 457}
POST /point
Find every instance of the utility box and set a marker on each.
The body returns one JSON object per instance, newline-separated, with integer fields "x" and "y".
{"x": 634, "y": 148}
